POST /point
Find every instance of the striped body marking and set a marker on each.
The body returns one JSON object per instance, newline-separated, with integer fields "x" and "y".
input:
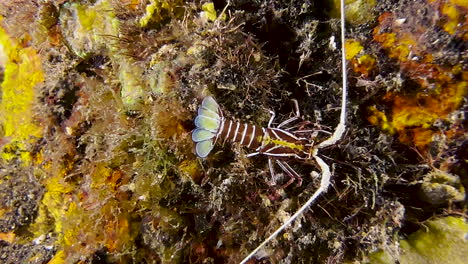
{"x": 276, "y": 143}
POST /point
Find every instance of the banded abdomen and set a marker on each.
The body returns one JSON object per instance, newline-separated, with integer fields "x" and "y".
{"x": 275, "y": 142}
{"x": 212, "y": 126}
{"x": 247, "y": 135}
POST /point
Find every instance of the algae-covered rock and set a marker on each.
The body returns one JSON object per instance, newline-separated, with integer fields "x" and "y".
{"x": 438, "y": 241}
{"x": 442, "y": 240}
{"x": 19, "y": 196}
{"x": 35, "y": 252}
{"x": 164, "y": 234}
{"x": 440, "y": 187}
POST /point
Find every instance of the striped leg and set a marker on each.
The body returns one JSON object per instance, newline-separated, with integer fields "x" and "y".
{"x": 252, "y": 154}
{"x": 272, "y": 172}
{"x": 291, "y": 173}
{"x": 292, "y": 119}
{"x": 296, "y": 108}
{"x": 297, "y": 115}
{"x": 271, "y": 118}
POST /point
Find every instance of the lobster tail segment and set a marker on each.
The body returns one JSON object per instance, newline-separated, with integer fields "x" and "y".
{"x": 207, "y": 122}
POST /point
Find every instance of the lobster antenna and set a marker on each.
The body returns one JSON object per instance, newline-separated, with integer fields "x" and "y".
{"x": 337, "y": 134}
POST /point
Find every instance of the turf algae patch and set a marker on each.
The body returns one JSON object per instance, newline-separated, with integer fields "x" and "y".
{"x": 85, "y": 218}
{"x": 19, "y": 197}
{"x": 94, "y": 29}
{"x": 31, "y": 253}
{"x": 115, "y": 160}
{"x": 163, "y": 232}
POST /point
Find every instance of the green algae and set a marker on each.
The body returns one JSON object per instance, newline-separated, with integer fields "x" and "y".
{"x": 88, "y": 32}
{"x": 353, "y": 47}
{"x": 381, "y": 257}
{"x": 209, "y": 11}
{"x": 439, "y": 241}
{"x": 160, "y": 12}
{"x": 357, "y": 11}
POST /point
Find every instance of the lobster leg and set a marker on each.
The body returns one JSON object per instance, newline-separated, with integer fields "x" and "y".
{"x": 297, "y": 115}
{"x": 296, "y": 108}
{"x": 292, "y": 119}
{"x": 272, "y": 172}
{"x": 291, "y": 173}
{"x": 271, "y": 118}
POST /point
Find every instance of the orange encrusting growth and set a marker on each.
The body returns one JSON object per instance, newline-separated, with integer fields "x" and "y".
{"x": 438, "y": 92}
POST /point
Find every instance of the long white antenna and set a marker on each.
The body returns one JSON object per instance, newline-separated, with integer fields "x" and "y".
{"x": 340, "y": 128}
{"x": 289, "y": 221}
{"x": 339, "y": 131}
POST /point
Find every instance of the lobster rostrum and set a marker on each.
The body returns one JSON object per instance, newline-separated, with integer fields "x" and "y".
{"x": 286, "y": 141}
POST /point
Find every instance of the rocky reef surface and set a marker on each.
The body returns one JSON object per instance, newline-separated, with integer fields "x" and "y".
{"x": 98, "y": 97}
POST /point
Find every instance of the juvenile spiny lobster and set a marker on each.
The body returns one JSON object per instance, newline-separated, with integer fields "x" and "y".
{"x": 286, "y": 141}
{"x": 283, "y": 141}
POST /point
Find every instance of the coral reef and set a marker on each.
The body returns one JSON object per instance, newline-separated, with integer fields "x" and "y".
{"x": 98, "y": 97}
